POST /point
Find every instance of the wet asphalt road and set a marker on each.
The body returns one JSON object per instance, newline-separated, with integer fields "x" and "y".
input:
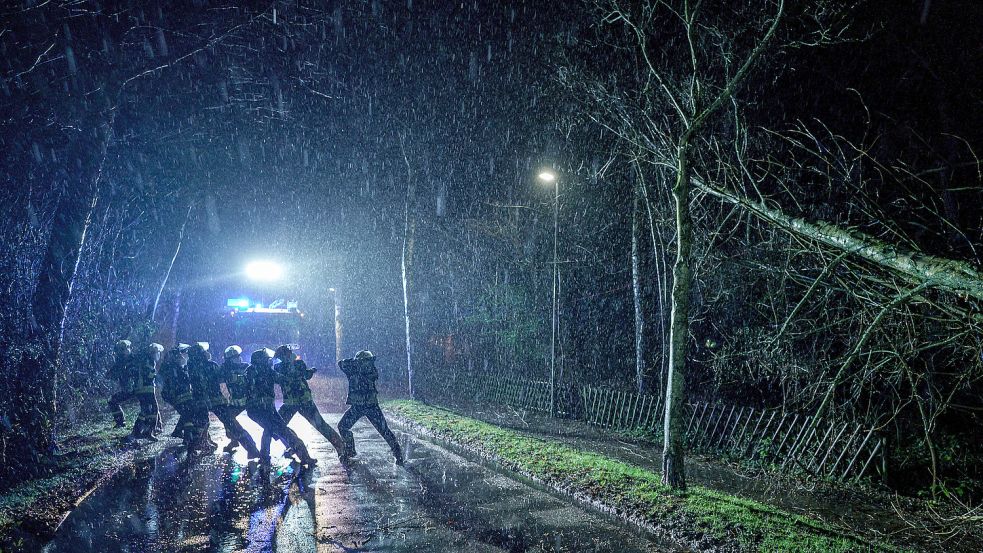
{"x": 437, "y": 502}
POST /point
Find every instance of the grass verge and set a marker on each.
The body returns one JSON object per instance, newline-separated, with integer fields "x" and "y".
{"x": 88, "y": 454}
{"x": 700, "y": 517}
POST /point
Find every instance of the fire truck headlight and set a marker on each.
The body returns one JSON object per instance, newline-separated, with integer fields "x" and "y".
{"x": 264, "y": 271}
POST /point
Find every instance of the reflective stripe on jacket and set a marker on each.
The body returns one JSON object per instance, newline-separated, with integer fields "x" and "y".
{"x": 362, "y": 375}
{"x": 261, "y": 380}
{"x": 144, "y": 372}
{"x": 234, "y": 376}
{"x": 206, "y": 380}
{"x": 121, "y": 372}
{"x": 292, "y": 378}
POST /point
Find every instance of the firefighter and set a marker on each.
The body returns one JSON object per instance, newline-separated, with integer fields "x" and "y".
{"x": 260, "y": 408}
{"x": 234, "y": 375}
{"x": 364, "y": 402}
{"x": 292, "y": 374}
{"x": 206, "y": 387}
{"x": 176, "y": 389}
{"x": 145, "y": 372}
{"x": 121, "y": 372}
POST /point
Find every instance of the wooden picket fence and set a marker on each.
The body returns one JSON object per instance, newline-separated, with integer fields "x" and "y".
{"x": 833, "y": 450}
{"x": 527, "y": 394}
{"x": 778, "y": 439}
{"x": 507, "y": 390}
{"x": 622, "y": 410}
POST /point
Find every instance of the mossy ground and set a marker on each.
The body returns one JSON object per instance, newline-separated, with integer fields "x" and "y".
{"x": 636, "y": 491}
{"x": 30, "y": 510}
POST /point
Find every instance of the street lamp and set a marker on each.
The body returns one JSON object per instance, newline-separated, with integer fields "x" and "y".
{"x": 550, "y": 177}
{"x": 264, "y": 271}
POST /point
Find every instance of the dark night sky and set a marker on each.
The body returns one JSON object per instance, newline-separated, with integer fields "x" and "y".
{"x": 286, "y": 135}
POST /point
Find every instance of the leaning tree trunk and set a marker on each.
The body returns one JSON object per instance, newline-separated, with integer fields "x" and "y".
{"x": 673, "y": 468}
{"x": 49, "y": 304}
{"x": 915, "y": 266}
{"x": 170, "y": 266}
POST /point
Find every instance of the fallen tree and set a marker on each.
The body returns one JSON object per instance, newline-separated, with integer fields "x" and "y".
{"x": 956, "y": 276}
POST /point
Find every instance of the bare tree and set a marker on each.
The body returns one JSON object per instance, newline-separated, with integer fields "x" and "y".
{"x": 693, "y": 102}
{"x": 81, "y": 100}
{"x": 687, "y": 115}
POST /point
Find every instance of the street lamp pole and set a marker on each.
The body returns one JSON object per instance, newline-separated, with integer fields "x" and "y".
{"x": 338, "y": 331}
{"x": 549, "y": 177}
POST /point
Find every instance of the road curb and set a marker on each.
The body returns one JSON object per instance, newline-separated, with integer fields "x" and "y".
{"x": 128, "y": 457}
{"x": 670, "y": 535}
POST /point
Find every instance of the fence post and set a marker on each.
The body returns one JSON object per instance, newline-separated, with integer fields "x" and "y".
{"x": 829, "y": 450}
{"x": 811, "y": 460}
{"x": 710, "y": 442}
{"x": 724, "y": 436}
{"x": 799, "y": 438}
{"x": 857, "y": 454}
{"x": 846, "y": 449}
{"x": 877, "y": 448}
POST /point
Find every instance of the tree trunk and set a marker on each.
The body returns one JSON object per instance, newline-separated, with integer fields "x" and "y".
{"x": 71, "y": 222}
{"x": 339, "y": 331}
{"x": 673, "y": 461}
{"x": 406, "y": 265}
{"x": 643, "y": 378}
{"x": 956, "y": 276}
{"x": 406, "y": 261}
{"x": 167, "y": 274}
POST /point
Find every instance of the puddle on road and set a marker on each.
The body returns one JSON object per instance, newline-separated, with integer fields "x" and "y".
{"x": 439, "y": 502}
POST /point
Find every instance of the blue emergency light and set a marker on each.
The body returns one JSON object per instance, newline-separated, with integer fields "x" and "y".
{"x": 237, "y": 302}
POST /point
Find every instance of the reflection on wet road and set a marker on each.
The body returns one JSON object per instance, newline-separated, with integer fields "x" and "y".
{"x": 438, "y": 502}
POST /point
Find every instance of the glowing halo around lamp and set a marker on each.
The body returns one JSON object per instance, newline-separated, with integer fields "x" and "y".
{"x": 264, "y": 271}
{"x": 547, "y": 176}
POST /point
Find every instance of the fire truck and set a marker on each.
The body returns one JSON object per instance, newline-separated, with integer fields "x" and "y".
{"x": 254, "y": 325}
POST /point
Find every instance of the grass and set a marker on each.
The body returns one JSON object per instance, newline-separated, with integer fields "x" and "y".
{"x": 31, "y": 509}
{"x": 636, "y": 491}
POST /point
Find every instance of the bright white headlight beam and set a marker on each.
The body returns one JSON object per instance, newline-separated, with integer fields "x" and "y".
{"x": 264, "y": 271}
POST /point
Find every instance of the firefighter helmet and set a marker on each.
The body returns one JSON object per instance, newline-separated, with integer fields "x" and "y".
{"x": 261, "y": 356}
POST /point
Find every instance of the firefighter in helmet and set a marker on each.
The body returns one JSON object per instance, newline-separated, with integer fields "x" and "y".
{"x": 144, "y": 376}
{"x": 206, "y": 381}
{"x": 121, "y": 372}
{"x": 292, "y": 374}
{"x": 363, "y": 401}
{"x": 176, "y": 389}
{"x": 233, "y": 372}
{"x": 260, "y": 408}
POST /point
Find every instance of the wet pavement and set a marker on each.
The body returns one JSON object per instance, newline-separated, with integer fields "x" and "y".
{"x": 438, "y": 502}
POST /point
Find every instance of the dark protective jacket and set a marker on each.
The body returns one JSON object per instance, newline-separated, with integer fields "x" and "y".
{"x": 261, "y": 379}
{"x": 206, "y": 382}
{"x": 144, "y": 371}
{"x": 292, "y": 377}
{"x": 121, "y": 371}
{"x": 234, "y": 376}
{"x": 362, "y": 375}
{"x": 175, "y": 385}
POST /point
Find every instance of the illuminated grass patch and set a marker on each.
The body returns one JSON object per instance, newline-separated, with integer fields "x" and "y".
{"x": 634, "y": 491}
